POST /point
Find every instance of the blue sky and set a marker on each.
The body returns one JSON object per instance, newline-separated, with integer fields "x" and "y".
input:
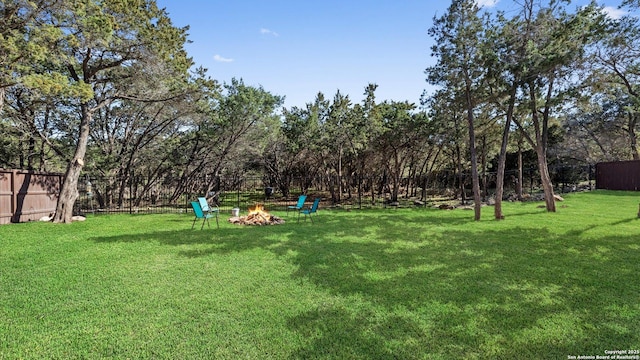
{"x": 297, "y": 48}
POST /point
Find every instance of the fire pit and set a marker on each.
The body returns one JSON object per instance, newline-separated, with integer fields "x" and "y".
{"x": 257, "y": 216}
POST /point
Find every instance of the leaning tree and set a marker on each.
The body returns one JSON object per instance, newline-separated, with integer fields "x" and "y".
{"x": 102, "y": 43}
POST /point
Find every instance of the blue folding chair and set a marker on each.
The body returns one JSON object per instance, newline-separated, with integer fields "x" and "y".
{"x": 299, "y": 205}
{"x": 204, "y": 205}
{"x": 312, "y": 210}
{"x": 197, "y": 210}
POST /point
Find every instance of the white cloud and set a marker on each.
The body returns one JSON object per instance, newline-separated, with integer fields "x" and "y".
{"x": 613, "y": 12}
{"x": 219, "y": 58}
{"x": 268, "y": 32}
{"x": 487, "y": 3}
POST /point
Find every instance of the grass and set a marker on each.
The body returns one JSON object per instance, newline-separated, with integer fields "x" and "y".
{"x": 378, "y": 284}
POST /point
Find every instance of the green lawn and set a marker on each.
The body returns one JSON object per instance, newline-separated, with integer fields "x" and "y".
{"x": 375, "y": 284}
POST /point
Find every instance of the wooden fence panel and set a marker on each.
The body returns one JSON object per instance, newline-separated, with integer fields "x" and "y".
{"x": 619, "y": 175}
{"x": 27, "y": 195}
{"x": 6, "y": 196}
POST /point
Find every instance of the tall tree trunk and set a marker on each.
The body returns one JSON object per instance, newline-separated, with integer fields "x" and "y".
{"x": 395, "y": 173}
{"x": 331, "y": 184}
{"x": 502, "y": 158}
{"x": 540, "y": 143}
{"x": 69, "y": 190}
{"x": 545, "y": 179}
{"x": 360, "y": 179}
{"x": 483, "y": 163}
{"x": 463, "y": 194}
{"x": 541, "y": 151}
{"x": 31, "y": 152}
{"x": 633, "y": 139}
{"x": 373, "y": 191}
{"x": 340, "y": 188}
{"x": 43, "y": 143}
{"x": 520, "y": 172}
{"x": 475, "y": 178}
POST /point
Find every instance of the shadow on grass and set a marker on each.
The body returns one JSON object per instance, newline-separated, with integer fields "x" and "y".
{"x": 625, "y": 221}
{"x": 595, "y": 226}
{"x": 529, "y": 298}
{"x": 408, "y": 292}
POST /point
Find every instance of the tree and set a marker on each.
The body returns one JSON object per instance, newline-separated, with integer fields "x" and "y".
{"x": 631, "y": 3}
{"x": 459, "y": 67}
{"x": 504, "y": 62}
{"x": 27, "y": 41}
{"x": 32, "y": 117}
{"x": 301, "y": 129}
{"x": 363, "y": 144}
{"x": 223, "y": 133}
{"x": 615, "y": 74}
{"x": 284, "y": 156}
{"x": 336, "y": 132}
{"x": 555, "y": 41}
{"x": 600, "y": 128}
{"x": 448, "y": 129}
{"x": 404, "y": 133}
{"x": 105, "y": 41}
{"x": 125, "y": 135}
{"x": 9, "y": 146}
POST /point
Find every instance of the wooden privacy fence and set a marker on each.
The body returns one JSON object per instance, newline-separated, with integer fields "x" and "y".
{"x": 27, "y": 195}
{"x": 618, "y": 175}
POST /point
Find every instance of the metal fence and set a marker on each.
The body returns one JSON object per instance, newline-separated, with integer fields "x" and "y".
{"x": 101, "y": 196}
{"x": 28, "y": 195}
{"x": 134, "y": 195}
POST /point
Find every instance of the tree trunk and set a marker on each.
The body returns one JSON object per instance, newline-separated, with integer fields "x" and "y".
{"x": 395, "y": 185}
{"x": 475, "y": 178}
{"x": 331, "y": 184}
{"x": 520, "y": 173}
{"x": 540, "y": 144}
{"x": 69, "y": 190}
{"x": 463, "y": 194}
{"x": 502, "y": 158}
{"x": 633, "y": 139}
{"x": 359, "y": 177}
{"x": 395, "y": 174}
{"x": 545, "y": 180}
{"x": 373, "y": 192}
{"x": 483, "y": 163}
{"x": 340, "y": 188}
